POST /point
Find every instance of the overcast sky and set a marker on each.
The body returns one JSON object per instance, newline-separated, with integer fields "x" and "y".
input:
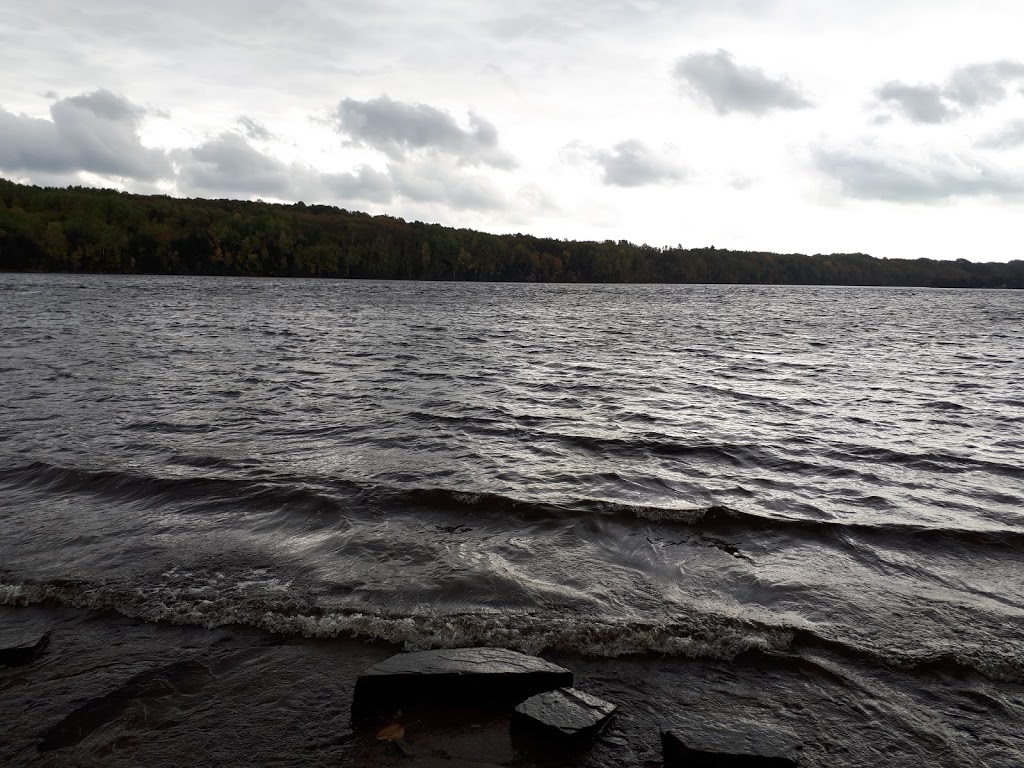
{"x": 891, "y": 127}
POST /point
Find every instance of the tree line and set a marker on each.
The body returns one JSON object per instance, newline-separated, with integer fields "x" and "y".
{"x": 82, "y": 229}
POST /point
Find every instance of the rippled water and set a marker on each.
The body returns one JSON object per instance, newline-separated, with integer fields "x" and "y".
{"x": 688, "y": 470}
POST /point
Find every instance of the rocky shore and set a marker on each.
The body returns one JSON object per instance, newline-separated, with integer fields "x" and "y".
{"x": 105, "y": 690}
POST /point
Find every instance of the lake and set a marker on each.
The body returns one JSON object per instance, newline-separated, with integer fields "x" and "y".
{"x": 804, "y": 504}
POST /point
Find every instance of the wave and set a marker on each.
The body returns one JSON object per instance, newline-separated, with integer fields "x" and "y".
{"x": 945, "y": 463}
{"x": 297, "y": 494}
{"x": 722, "y": 518}
{"x": 699, "y": 633}
{"x": 712, "y": 518}
{"x": 126, "y": 485}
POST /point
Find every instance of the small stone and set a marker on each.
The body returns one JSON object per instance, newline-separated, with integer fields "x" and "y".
{"x": 391, "y": 732}
{"x": 457, "y": 677}
{"x": 23, "y": 651}
{"x": 737, "y": 744}
{"x": 563, "y": 715}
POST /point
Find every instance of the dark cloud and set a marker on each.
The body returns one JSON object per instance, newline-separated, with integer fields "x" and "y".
{"x": 254, "y": 129}
{"x": 96, "y": 132}
{"x": 364, "y": 184}
{"x": 871, "y": 177}
{"x": 967, "y": 88}
{"x": 395, "y": 128}
{"x": 1010, "y": 136}
{"x": 228, "y": 164}
{"x": 730, "y": 87}
{"x": 919, "y": 103}
{"x": 423, "y": 180}
{"x": 31, "y": 144}
{"x": 102, "y": 104}
{"x": 435, "y": 181}
{"x": 633, "y": 164}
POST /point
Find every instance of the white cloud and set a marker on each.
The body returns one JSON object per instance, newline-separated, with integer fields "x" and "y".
{"x": 981, "y": 85}
{"x": 1010, "y": 135}
{"x": 967, "y": 88}
{"x": 254, "y": 129}
{"x": 632, "y": 163}
{"x": 730, "y": 87}
{"x": 872, "y": 175}
{"x": 919, "y": 103}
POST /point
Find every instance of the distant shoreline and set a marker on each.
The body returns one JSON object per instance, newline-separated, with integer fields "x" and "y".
{"x": 100, "y": 231}
{"x": 503, "y": 282}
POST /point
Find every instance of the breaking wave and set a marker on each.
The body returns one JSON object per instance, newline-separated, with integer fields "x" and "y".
{"x": 699, "y": 632}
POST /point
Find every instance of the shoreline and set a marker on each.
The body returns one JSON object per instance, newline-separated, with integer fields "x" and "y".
{"x": 112, "y": 690}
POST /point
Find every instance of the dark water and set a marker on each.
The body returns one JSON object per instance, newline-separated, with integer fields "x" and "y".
{"x": 816, "y": 478}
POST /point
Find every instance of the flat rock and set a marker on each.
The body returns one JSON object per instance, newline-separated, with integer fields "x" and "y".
{"x": 14, "y": 652}
{"x": 562, "y": 715}
{"x": 456, "y": 677}
{"x": 733, "y": 744}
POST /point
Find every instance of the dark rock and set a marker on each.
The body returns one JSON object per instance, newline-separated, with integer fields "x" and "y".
{"x": 474, "y": 677}
{"x": 562, "y": 715}
{"x": 733, "y": 744}
{"x": 24, "y": 652}
{"x": 403, "y": 747}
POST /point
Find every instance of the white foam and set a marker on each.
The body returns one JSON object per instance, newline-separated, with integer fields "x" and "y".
{"x": 697, "y": 634}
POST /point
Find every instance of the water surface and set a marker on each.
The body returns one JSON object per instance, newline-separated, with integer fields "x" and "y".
{"x": 702, "y": 472}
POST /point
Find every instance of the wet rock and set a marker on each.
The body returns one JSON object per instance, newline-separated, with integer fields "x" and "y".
{"x": 20, "y": 651}
{"x": 733, "y": 744}
{"x": 562, "y": 716}
{"x": 457, "y": 677}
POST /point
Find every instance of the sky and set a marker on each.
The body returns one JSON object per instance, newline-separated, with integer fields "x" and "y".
{"x": 888, "y": 127}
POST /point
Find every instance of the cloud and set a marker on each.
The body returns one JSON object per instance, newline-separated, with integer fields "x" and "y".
{"x": 983, "y": 84}
{"x": 730, "y": 87}
{"x": 102, "y": 104}
{"x": 422, "y": 180}
{"x": 96, "y": 132}
{"x": 1010, "y": 136}
{"x": 397, "y": 128}
{"x": 254, "y": 129}
{"x": 431, "y": 180}
{"x": 918, "y": 103}
{"x": 632, "y": 163}
{"x": 966, "y": 89}
{"x": 229, "y": 164}
{"x": 869, "y": 176}
{"x": 363, "y": 184}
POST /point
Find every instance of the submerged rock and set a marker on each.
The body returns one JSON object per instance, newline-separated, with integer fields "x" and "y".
{"x": 22, "y": 650}
{"x": 456, "y": 677}
{"x": 562, "y": 716}
{"x": 735, "y": 744}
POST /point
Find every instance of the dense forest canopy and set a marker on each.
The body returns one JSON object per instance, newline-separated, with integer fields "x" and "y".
{"x": 98, "y": 230}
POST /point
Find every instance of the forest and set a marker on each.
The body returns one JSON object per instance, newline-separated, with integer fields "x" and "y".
{"x": 80, "y": 229}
